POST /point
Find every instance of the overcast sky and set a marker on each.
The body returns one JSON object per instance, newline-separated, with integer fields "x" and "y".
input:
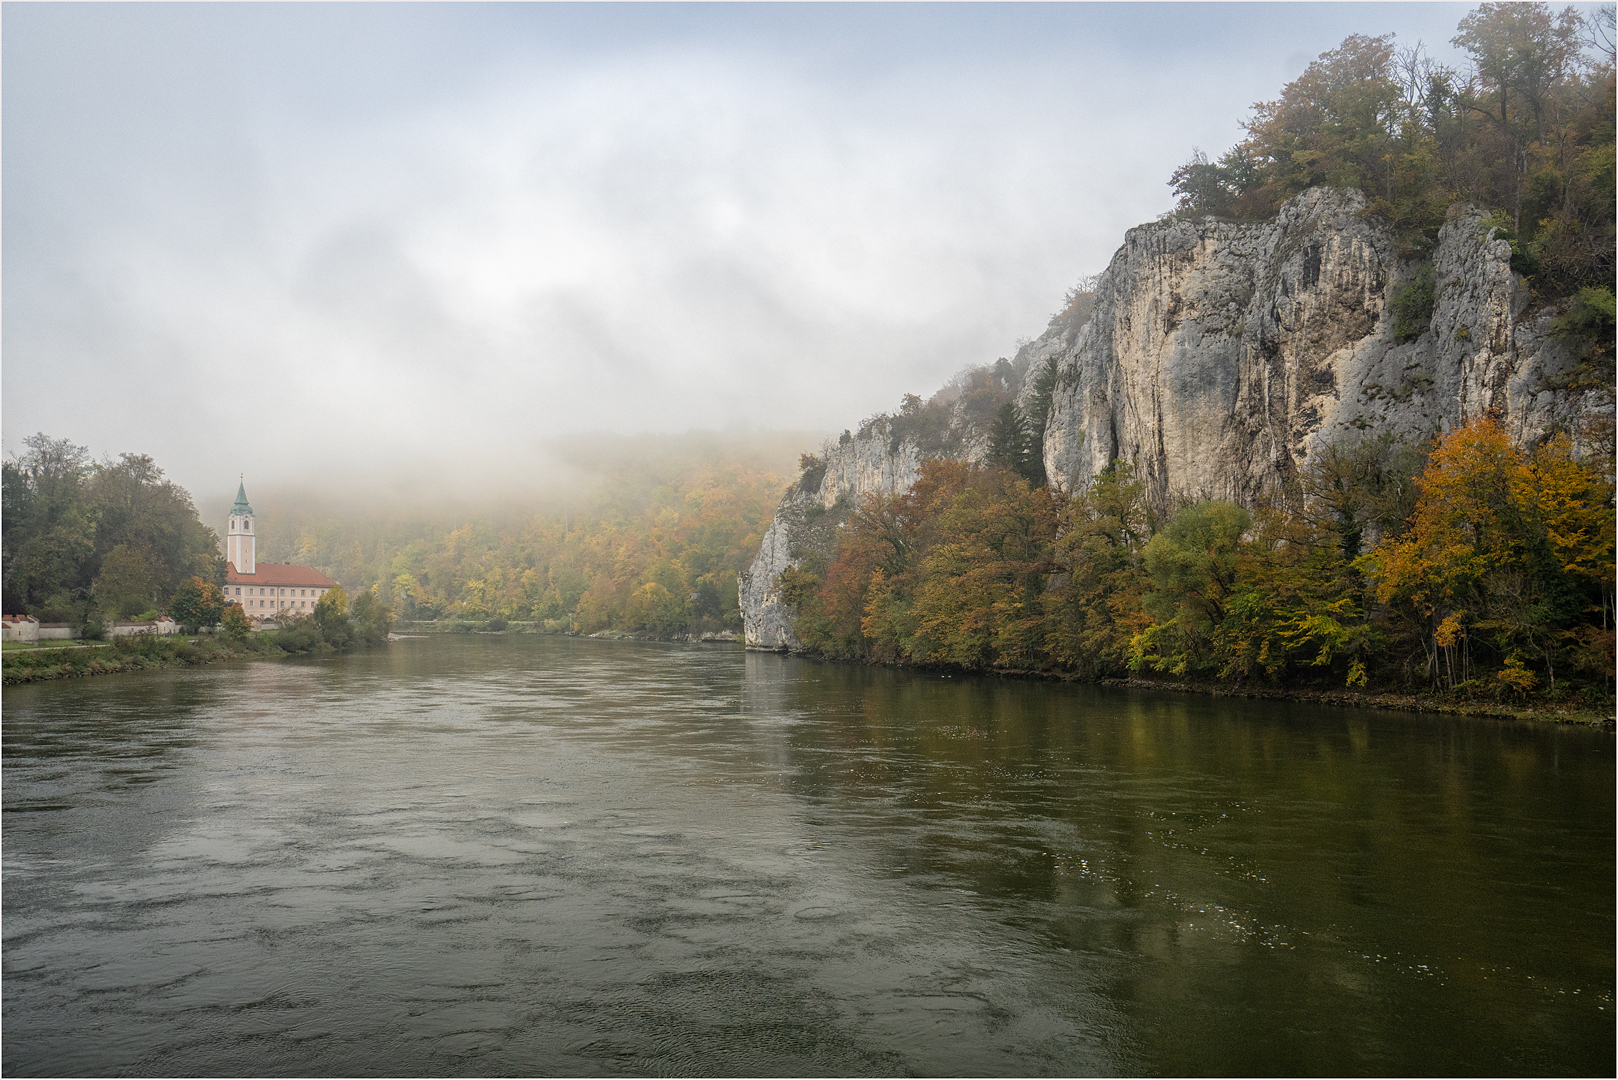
{"x": 293, "y": 240}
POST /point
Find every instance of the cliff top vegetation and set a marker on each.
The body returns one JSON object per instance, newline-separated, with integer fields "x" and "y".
{"x": 1524, "y": 131}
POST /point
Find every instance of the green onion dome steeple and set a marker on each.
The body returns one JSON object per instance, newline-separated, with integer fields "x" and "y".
{"x": 241, "y": 506}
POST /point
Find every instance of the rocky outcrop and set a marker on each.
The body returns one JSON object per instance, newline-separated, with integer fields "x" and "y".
{"x": 872, "y": 463}
{"x": 1218, "y": 356}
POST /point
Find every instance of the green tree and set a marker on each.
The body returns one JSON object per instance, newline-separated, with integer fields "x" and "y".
{"x": 331, "y": 617}
{"x": 1039, "y": 416}
{"x": 372, "y": 620}
{"x": 1008, "y": 438}
{"x": 135, "y": 506}
{"x": 128, "y": 582}
{"x": 1192, "y": 566}
{"x": 1012, "y": 443}
{"x": 1587, "y": 327}
{"x": 197, "y": 604}
{"x": 49, "y": 527}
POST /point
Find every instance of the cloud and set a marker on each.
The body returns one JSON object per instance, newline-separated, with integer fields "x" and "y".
{"x": 275, "y": 240}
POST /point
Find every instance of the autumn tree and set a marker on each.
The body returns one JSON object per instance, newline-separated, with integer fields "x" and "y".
{"x": 1094, "y": 611}
{"x": 1521, "y": 55}
{"x": 234, "y": 621}
{"x": 977, "y": 600}
{"x": 1526, "y": 132}
{"x": 654, "y": 607}
{"x": 1507, "y": 552}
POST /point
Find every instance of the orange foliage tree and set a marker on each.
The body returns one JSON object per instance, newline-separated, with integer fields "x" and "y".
{"x": 1507, "y": 551}
{"x": 951, "y": 572}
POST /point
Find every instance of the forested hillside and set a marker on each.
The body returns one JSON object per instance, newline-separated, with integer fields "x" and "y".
{"x": 648, "y": 537}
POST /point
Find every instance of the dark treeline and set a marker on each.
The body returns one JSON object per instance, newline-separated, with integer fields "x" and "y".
{"x": 1469, "y": 566}
{"x": 85, "y": 539}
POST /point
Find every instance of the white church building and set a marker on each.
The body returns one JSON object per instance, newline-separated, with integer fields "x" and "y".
{"x": 265, "y": 590}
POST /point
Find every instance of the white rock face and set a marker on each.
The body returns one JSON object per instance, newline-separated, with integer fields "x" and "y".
{"x": 871, "y": 465}
{"x": 1220, "y": 355}
{"x": 864, "y": 466}
{"x": 766, "y": 622}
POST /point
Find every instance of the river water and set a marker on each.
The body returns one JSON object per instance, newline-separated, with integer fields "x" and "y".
{"x": 517, "y": 854}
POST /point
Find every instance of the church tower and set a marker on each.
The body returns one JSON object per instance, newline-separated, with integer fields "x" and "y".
{"x": 240, "y": 544}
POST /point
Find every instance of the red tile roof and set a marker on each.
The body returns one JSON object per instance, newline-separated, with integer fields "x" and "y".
{"x": 270, "y": 573}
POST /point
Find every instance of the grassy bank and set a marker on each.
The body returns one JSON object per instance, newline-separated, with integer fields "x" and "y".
{"x": 146, "y": 654}
{"x": 35, "y": 646}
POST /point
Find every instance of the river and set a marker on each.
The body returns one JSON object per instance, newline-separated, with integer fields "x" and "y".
{"x": 536, "y": 855}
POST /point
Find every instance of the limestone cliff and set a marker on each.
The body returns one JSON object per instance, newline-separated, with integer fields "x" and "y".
{"x": 1217, "y": 356}
{"x": 1220, "y": 355}
{"x": 874, "y": 462}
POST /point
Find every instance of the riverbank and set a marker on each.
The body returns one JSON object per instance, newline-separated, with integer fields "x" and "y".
{"x": 1554, "y": 712}
{"x": 1563, "y": 712}
{"x": 142, "y": 654}
{"x": 149, "y": 653}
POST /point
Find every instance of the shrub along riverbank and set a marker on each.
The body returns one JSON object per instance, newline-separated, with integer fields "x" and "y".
{"x": 332, "y": 627}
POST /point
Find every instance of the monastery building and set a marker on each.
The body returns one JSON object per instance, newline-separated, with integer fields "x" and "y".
{"x": 265, "y": 589}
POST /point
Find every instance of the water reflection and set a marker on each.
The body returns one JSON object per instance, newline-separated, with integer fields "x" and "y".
{"x": 1358, "y": 881}
{"x": 483, "y": 854}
